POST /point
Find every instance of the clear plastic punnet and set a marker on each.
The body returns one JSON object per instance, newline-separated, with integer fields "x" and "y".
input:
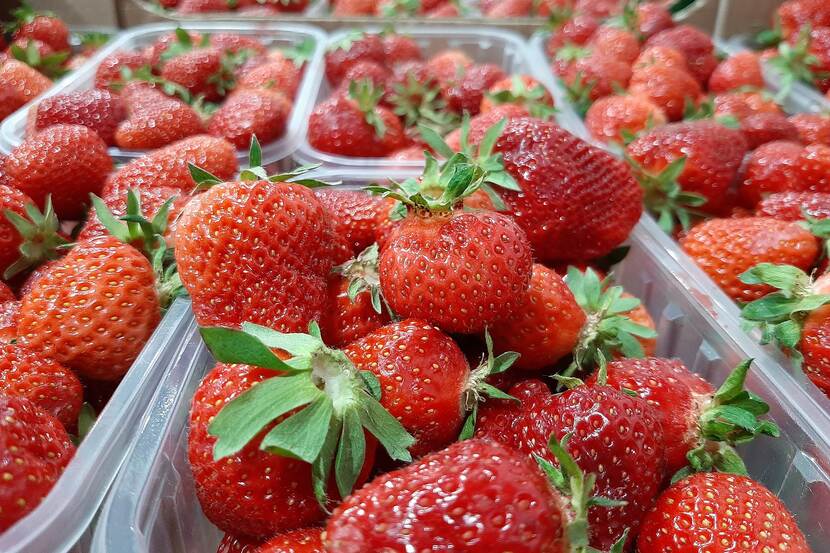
{"x": 491, "y": 45}
{"x": 62, "y": 523}
{"x": 273, "y": 35}
{"x": 153, "y": 508}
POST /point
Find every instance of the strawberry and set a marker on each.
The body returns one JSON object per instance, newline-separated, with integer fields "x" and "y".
{"x": 701, "y": 158}
{"x": 9, "y": 312}
{"x": 100, "y": 110}
{"x": 35, "y": 450}
{"x": 248, "y": 113}
{"x": 576, "y": 31}
{"x": 597, "y": 419}
{"x": 520, "y": 90}
{"x": 10, "y": 102}
{"x": 618, "y": 43}
{"x": 202, "y": 71}
{"x": 45, "y": 27}
{"x": 400, "y": 48}
{"x": 694, "y": 44}
{"x": 48, "y": 385}
{"x": 742, "y": 69}
{"x": 354, "y": 125}
{"x": 726, "y": 248}
{"x": 349, "y": 8}
{"x": 713, "y": 511}
{"x": 592, "y": 77}
{"x": 448, "y": 65}
{"x": 510, "y": 8}
{"x": 352, "y": 49}
{"x": 466, "y": 92}
{"x": 812, "y": 168}
{"x": 804, "y": 57}
{"x": 769, "y": 169}
{"x": 12, "y": 199}
{"x": 27, "y": 83}
{"x": 280, "y": 75}
{"x": 794, "y": 14}
{"x": 154, "y": 119}
{"x": 87, "y": 321}
{"x": 167, "y": 44}
{"x": 653, "y": 17}
{"x": 621, "y": 118}
{"x": 761, "y": 128}
{"x": 376, "y": 73}
{"x": 236, "y": 43}
{"x": 109, "y": 70}
{"x": 743, "y": 104}
{"x": 353, "y": 214}
{"x": 669, "y": 88}
{"x": 795, "y": 206}
{"x": 435, "y": 265}
{"x": 66, "y": 161}
{"x": 483, "y": 122}
{"x": 813, "y": 128}
{"x": 303, "y": 540}
{"x": 660, "y": 55}
{"x": 168, "y": 166}
{"x": 203, "y": 6}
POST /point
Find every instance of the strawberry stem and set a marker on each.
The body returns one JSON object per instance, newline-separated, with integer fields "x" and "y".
{"x": 40, "y": 239}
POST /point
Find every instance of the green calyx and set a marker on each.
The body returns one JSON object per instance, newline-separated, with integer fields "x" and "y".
{"x": 145, "y": 74}
{"x": 477, "y": 389}
{"x": 93, "y": 40}
{"x": 559, "y": 15}
{"x": 366, "y": 95}
{"x": 577, "y": 487}
{"x": 628, "y": 18}
{"x": 488, "y": 162}
{"x": 24, "y": 15}
{"x": 300, "y": 53}
{"x": 362, "y": 275}
{"x": 397, "y": 8}
{"x": 578, "y": 92}
{"x": 780, "y": 315}
{"x": 40, "y": 239}
{"x": 794, "y": 63}
{"x": 533, "y": 98}
{"x": 86, "y": 420}
{"x": 664, "y": 196}
{"x": 706, "y": 110}
{"x": 730, "y": 419}
{"x": 421, "y": 104}
{"x": 183, "y": 44}
{"x": 52, "y": 65}
{"x": 346, "y": 42}
{"x": 608, "y": 331}
{"x": 820, "y": 228}
{"x": 333, "y": 405}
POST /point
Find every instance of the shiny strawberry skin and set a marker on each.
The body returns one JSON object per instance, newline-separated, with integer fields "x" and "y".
{"x": 624, "y": 429}
{"x": 791, "y": 206}
{"x": 48, "y": 29}
{"x": 465, "y": 93}
{"x": 577, "y": 201}
{"x": 153, "y": 53}
{"x": 353, "y": 214}
{"x": 813, "y": 128}
{"x": 154, "y": 119}
{"x": 255, "y": 252}
{"x": 769, "y": 169}
{"x": 235, "y": 43}
{"x": 670, "y": 88}
{"x": 813, "y": 168}
{"x": 726, "y": 248}
{"x": 461, "y": 271}
{"x": 100, "y": 110}
{"x": 608, "y": 117}
{"x": 109, "y": 70}
{"x": 577, "y": 30}
{"x": 338, "y": 61}
{"x": 545, "y": 326}
{"x": 409, "y": 509}
{"x": 9, "y": 313}
{"x": 742, "y": 69}
{"x": 616, "y": 42}
{"x": 721, "y": 513}
{"x": 603, "y": 73}
{"x": 27, "y": 83}
{"x": 481, "y": 123}
{"x": 337, "y": 126}
{"x": 168, "y": 166}
{"x": 694, "y": 44}
{"x": 248, "y": 113}
{"x": 447, "y": 65}
{"x": 653, "y": 17}
{"x": 47, "y": 384}
{"x": 195, "y": 70}
{"x": 14, "y": 200}
{"x": 815, "y": 340}
{"x": 761, "y": 128}
{"x": 94, "y": 310}
{"x": 422, "y": 374}
{"x": 34, "y": 450}
{"x": 277, "y": 74}
{"x": 743, "y": 104}
{"x": 343, "y": 321}
{"x": 676, "y": 394}
{"x": 66, "y": 161}
{"x": 713, "y": 156}
{"x": 400, "y": 48}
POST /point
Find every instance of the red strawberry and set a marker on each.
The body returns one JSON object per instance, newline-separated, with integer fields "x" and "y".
{"x": 595, "y": 76}
{"x": 13, "y": 200}
{"x": 598, "y": 419}
{"x": 578, "y": 30}
{"x": 771, "y": 168}
{"x": 466, "y": 92}
{"x": 279, "y": 74}
{"x": 653, "y": 17}
{"x": 489, "y": 482}
{"x": 616, "y": 42}
{"x": 449, "y": 65}
{"x": 694, "y": 44}
{"x": 168, "y": 166}
{"x": 400, "y": 48}
{"x": 481, "y": 123}
{"x": 248, "y": 113}
{"x": 660, "y": 55}
{"x": 25, "y": 82}
{"x": 376, "y": 73}
{"x": 109, "y": 70}
{"x": 9, "y": 312}
{"x": 726, "y": 248}
{"x": 45, "y": 27}
{"x": 520, "y": 90}
{"x": 741, "y": 70}
{"x": 669, "y": 88}
{"x": 713, "y": 511}
{"x": 510, "y": 8}
{"x": 48, "y": 385}
{"x": 812, "y": 343}
{"x": 157, "y": 53}
{"x": 100, "y": 110}
{"x": 201, "y": 71}
{"x": 353, "y": 49}
{"x": 154, "y": 119}
{"x": 35, "y": 450}
{"x": 347, "y": 8}
{"x": 794, "y": 14}
{"x": 744, "y": 104}
{"x": 203, "y": 6}
{"x": 615, "y": 118}
{"x": 303, "y": 540}
{"x": 85, "y": 319}
{"x": 812, "y": 168}
{"x": 236, "y": 43}
{"x": 792, "y": 206}
{"x": 762, "y": 128}
{"x": 813, "y": 128}
{"x": 353, "y": 214}
{"x": 66, "y": 161}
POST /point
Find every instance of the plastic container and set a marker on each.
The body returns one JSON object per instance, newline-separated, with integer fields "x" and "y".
{"x": 503, "y": 48}
{"x": 62, "y": 522}
{"x": 13, "y": 129}
{"x": 152, "y": 506}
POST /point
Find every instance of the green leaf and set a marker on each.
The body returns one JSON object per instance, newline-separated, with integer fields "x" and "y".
{"x": 495, "y": 393}
{"x": 727, "y": 460}
{"x": 787, "y": 334}
{"x": 296, "y": 344}
{"x": 372, "y": 384}
{"x": 388, "y": 430}
{"x": 469, "y": 428}
{"x": 772, "y": 307}
{"x": 321, "y": 467}
{"x": 202, "y": 178}
{"x": 255, "y": 153}
{"x": 235, "y": 346}
{"x": 303, "y": 434}
{"x": 783, "y": 277}
{"x": 351, "y": 453}
{"x": 734, "y": 383}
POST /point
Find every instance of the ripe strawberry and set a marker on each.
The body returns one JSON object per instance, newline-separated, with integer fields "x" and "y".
{"x": 35, "y": 450}
{"x": 109, "y": 70}
{"x": 743, "y": 104}
{"x": 713, "y": 511}
{"x": 793, "y": 206}
{"x": 483, "y": 122}
{"x": 248, "y": 113}
{"x": 168, "y": 166}
{"x": 576, "y": 202}
{"x": 154, "y": 119}
{"x": 236, "y": 43}
{"x": 769, "y": 169}
{"x": 653, "y": 17}
{"x": 45, "y": 27}
{"x": 813, "y": 128}
{"x": 400, "y": 48}
{"x": 698, "y": 157}
{"x": 100, "y": 110}
{"x": 794, "y": 14}
{"x": 520, "y": 90}
{"x": 466, "y": 92}
{"x": 740, "y": 70}
{"x": 812, "y": 168}
{"x": 203, "y": 6}
{"x": 353, "y": 49}
{"x": 25, "y": 82}
{"x": 372, "y": 71}
{"x": 353, "y": 214}
{"x": 598, "y": 419}
{"x": 9, "y": 313}
{"x": 669, "y": 88}
{"x": 355, "y": 125}
{"x": 201, "y": 71}
{"x": 347, "y": 8}
{"x": 726, "y": 248}
{"x": 48, "y": 385}
{"x": 448, "y": 65}
{"x": 279, "y": 74}
{"x": 376, "y": 519}
{"x": 620, "y": 118}
{"x": 694, "y": 44}
{"x": 84, "y": 319}
{"x": 303, "y": 540}
{"x": 618, "y": 43}
{"x": 660, "y": 55}
{"x": 577, "y": 31}
{"x": 66, "y": 161}
{"x": 592, "y": 77}
{"x": 761, "y": 128}
{"x": 16, "y": 201}
{"x": 510, "y": 8}
{"x": 157, "y": 53}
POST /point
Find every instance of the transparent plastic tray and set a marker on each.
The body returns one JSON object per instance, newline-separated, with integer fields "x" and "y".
{"x": 62, "y": 522}
{"x": 153, "y": 508}
{"x": 484, "y": 45}
{"x": 13, "y": 129}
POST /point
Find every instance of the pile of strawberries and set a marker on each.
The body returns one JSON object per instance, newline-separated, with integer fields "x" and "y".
{"x": 240, "y": 7}
{"x": 184, "y": 84}
{"x": 386, "y": 96}
{"x": 37, "y": 51}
